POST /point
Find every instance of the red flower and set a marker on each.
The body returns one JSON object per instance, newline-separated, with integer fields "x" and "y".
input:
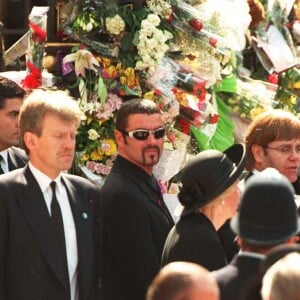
{"x": 169, "y": 18}
{"x": 34, "y": 78}
{"x": 184, "y": 125}
{"x": 213, "y": 119}
{"x": 157, "y": 92}
{"x": 213, "y": 42}
{"x": 273, "y": 78}
{"x": 196, "y": 24}
{"x": 38, "y": 34}
{"x": 199, "y": 90}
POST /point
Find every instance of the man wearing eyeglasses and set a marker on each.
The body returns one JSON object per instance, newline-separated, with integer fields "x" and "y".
{"x": 136, "y": 219}
{"x": 273, "y": 140}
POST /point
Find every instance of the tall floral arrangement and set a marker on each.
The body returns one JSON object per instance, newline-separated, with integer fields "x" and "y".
{"x": 177, "y": 53}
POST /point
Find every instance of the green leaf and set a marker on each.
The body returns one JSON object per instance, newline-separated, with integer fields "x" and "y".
{"x": 126, "y": 42}
{"x": 102, "y": 91}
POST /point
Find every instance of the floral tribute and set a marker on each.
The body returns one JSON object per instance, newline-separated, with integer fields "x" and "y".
{"x": 36, "y": 47}
{"x": 165, "y": 50}
{"x": 101, "y": 83}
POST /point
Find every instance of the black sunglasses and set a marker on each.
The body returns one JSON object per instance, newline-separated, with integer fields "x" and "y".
{"x": 143, "y": 134}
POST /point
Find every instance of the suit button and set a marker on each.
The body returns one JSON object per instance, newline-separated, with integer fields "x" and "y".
{"x": 32, "y": 271}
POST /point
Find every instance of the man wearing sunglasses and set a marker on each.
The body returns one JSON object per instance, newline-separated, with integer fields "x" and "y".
{"x": 136, "y": 219}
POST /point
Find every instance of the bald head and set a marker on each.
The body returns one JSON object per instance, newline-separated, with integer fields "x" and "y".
{"x": 183, "y": 280}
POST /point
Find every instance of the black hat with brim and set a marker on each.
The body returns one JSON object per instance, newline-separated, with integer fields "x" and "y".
{"x": 210, "y": 173}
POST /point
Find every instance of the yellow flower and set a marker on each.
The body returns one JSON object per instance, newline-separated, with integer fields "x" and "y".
{"x": 84, "y": 157}
{"x": 106, "y": 62}
{"x": 130, "y": 75}
{"x": 83, "y": 59}
{"x": 123, "y": 80}
{"x": 111, "y": 71}
{"x": 109, "y": 147}
{"x": 149, "y": 95}
{"x": 254, "y": 112}
{"x": 96, "y": 156}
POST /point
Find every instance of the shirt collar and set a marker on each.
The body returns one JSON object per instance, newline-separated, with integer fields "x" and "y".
{"x": 43, "y": 179}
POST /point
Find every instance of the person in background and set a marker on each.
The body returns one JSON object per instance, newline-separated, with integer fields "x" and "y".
{"x": 136, "y": 219}
{"x": 11, "y": 99}
{"x": 266, "y": 218}
{"x": 47, "y": 216}
{"x": 183, "y": 280}
{"x": 210, "y": 196}
{"x": 282, "y": 280}
{"x": 273, "y": 140}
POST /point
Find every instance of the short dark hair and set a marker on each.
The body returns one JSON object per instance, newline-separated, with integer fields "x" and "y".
{"x": 134, "y": 106}
{"x": 8, "y": 90}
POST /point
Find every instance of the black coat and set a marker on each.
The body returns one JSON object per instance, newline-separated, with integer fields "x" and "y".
{"x": 29, "y": 264}
{"x": 194, "y": 239}
{"x": 17, "y": 158}
{"x": 240, "y": 272}
{"x": 136, "y": 223}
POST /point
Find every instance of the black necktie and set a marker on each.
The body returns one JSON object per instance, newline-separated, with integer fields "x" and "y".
{"x": 1, "y": 170}
{"x": 58, "y": 226}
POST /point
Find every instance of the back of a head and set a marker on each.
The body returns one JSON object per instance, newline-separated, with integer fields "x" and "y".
{"x": 270, "y": 126}
{"x": 268, "y": 214}
{"x": 282, "y": 280}
{"x": 183, "y": 281}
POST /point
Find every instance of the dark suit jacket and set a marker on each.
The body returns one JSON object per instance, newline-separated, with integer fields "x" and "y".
{"x": 29, "y": 267}
{"x": 194, "y": 239}
{"x": 233, "y": 278}
{"x": 136, "y": 223}
{"x": 17, "y": 158}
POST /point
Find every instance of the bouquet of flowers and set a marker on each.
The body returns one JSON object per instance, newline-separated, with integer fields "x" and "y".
{"x": 101, "y": 83}
{"x": 36, "y": 47}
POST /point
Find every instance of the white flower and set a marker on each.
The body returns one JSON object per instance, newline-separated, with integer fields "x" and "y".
{"x": 115, "y": 25}
{"x": 93, "y": 134}
{"x": 152, "y": 43}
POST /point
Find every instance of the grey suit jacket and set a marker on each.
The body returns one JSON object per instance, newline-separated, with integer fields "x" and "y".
{"x": 29, "y": 261}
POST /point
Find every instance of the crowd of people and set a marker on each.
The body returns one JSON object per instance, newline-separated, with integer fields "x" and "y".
{"x": 64, "y": 238}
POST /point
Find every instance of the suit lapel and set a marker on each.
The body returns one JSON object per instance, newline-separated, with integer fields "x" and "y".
{"x": 83, "y": 220}
{"x": 157, "y": 200}
{"x": 14, "y": 161}
{"x": 35, "y": 210}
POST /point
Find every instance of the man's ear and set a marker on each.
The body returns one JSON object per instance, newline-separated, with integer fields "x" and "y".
{"x": 30, "y": 140}
{"x": 258, "y": 153}
{"x": 120, "y": 139}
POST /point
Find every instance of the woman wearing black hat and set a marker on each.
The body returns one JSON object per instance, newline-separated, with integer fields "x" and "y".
{"x": 210, "y": 196}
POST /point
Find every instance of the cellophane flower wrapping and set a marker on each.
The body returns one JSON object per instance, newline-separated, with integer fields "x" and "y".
{"x": 36, "y": 46}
